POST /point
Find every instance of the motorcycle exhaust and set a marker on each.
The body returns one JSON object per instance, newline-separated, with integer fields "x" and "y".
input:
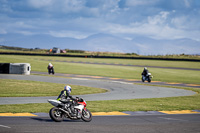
{"x": 67, "y": 113}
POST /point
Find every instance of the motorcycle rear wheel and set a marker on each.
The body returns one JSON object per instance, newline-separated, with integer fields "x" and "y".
{"x": 56, "y": 114}
{"x": 86, "y": 115}
{"x": 142, "y": 80}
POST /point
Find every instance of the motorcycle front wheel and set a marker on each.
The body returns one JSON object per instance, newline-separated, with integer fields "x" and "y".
{"x": 149, "y": 80}
{"x": 56, "y": 114}
{"x": 142, "y": 79}
{"x": 86, "y": 115}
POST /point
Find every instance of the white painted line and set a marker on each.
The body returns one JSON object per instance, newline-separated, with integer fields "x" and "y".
{"x": 5, "y": 126}
{"x": 122, "y": 82}
{"x": 172, "y": 119}
{"x": 80, "y": 78}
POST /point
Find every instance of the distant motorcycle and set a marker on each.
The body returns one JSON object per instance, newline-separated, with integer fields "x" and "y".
{"x": 50, "y": 70}
{"x": 147, "y": 77}
{"x": 62, "y": 110}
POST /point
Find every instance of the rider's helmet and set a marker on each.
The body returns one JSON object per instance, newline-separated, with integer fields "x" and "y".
{"x": 145, "y": 68}
{"x": 68, "y": 89}
{"x": 50, "y": 64}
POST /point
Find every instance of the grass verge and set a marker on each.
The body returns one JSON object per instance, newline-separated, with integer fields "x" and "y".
{"x": 148, "y": 104}
{"x": 39, "y": 63}
{"x": 24, "y": 88}
{"x": 157, "y": 104}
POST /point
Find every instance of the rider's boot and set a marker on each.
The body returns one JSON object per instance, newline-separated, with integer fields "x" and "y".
{"x": 70, "y": 112}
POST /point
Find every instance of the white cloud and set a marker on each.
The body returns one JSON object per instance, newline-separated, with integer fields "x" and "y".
{"x": 70, "y": 34}
{"x": 2, "y": 40}
{"x": 187, "y": 3}
{"x": 179, "y": 22}
{"x": 61, "y": 6}
{"x": 24, "y": 32}
{"x": 140, "y": 2}
{"x": 3, "y": 31}
{"x": 40, "y": 3}
{"x": 158, "y": 19}
{"x": 157, "y": 27}
{"x": 73, "y": 5}
{"x": 22, "y": 24}
{"x": 81, "y": 18}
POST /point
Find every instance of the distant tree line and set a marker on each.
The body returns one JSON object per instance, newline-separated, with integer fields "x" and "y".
{"x": 74, "y": 51}
{"x": 37, "y": 49}
{"x": 21, "y": 49}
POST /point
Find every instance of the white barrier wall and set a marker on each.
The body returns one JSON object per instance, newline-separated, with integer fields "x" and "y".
{"x": 20, "y": 68}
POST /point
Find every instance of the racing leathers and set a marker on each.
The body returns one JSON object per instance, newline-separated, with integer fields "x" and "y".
{"x": 50, "y": 69}
{"x": 144, "y": 73}
{"x": 68, "y": 100}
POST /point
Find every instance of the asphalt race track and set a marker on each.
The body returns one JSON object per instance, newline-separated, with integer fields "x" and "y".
{"x": 104, "y": 124}
{"x": 135, "y": 122}
{"x": 117, "y": 90}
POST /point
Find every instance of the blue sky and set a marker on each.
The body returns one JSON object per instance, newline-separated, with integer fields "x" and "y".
{"x": 79, "y": 19}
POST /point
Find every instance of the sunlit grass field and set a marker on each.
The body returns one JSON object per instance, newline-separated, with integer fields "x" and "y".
{"x": 147, "y": 104}
{"x": 23, "y": 88}
{"x": 39, "y": 63}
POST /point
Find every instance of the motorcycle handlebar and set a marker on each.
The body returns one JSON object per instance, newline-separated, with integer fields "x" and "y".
{"x": 79, "y": 99}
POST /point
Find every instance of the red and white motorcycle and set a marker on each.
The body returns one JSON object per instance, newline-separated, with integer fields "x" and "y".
{"x": 61, "y": 110}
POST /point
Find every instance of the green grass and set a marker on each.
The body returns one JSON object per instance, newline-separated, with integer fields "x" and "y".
{"x": 24, "y": 88}
{"x": 39, "y": 63}
{"x": 182, "y": 64}
{"x": 154, "y": 104}
{"x": 149, "y": 104}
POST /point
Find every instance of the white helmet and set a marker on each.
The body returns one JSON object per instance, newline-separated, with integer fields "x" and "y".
{"x": 68, "y": 89}
{"x": 50, "y": 64}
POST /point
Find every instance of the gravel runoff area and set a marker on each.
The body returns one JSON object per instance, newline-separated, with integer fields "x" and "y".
{"x": 117, "y": 90}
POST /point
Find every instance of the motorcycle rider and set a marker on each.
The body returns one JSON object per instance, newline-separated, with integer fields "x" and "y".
{"x": 144, "y": 73}
{"x": 67, "y": 99}
{"x": 50, "y": 68}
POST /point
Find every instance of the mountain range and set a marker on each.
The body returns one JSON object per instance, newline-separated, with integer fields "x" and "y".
{"x": 105, "y": 43}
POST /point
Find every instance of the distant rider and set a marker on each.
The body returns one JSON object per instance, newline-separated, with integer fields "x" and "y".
{"x": 67, "y": 99}
{"x": 50, "y": 68}
{"x": 144, "y": 73}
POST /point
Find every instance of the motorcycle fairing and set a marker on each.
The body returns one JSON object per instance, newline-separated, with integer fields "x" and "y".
{"x": 54, "y": 102}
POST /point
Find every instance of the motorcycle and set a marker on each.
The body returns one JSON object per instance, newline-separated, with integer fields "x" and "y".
{"x": 61, "y": 110}
{"x": 148, "y": 77}
{"x": 50, "y": 70}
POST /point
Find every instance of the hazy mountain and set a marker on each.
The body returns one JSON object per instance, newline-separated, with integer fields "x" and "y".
{"x": 109, "y": 43}
{"x": 105, "y": 42}
{"x": 177, "y": 46}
